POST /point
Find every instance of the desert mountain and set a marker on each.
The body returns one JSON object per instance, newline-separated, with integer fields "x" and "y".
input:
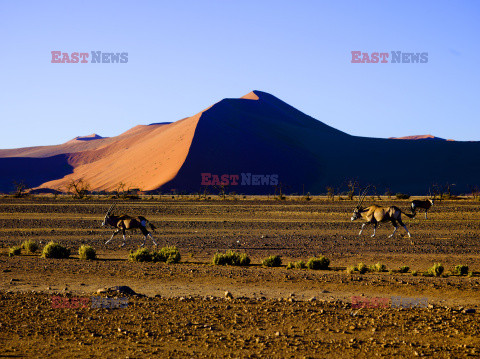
{"x": 251, "y": 145}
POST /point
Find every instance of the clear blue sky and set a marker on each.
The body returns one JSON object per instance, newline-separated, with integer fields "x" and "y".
{"x": 185, "y": 55}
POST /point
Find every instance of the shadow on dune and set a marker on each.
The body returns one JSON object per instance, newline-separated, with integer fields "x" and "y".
{"x": 268, "y": 136}
{"x": 32, "y": 171}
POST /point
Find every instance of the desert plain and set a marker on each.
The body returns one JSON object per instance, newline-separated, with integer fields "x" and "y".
{"x": 180, "y": 309}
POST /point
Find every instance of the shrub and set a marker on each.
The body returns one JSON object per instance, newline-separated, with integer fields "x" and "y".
{"x": 300, "y": 264}
{"x": 415, "y": 273}
{"x": 30, "y": 246}
{"x": 14, "y": 251}
{"x": 402, "y": 196}
{"x": 166, "y": 254}
{"x": 55, "y": 250}
{"x": 318, "y": 263}
{"x": 362, "y": 268}
{"x": 461, "y": 269}
{"x": 436, "y": 270}
{"x": 231, "y": 258}
{"x": 140, "y": 255}
{"x": 87, "y": 252}
{"x": 378, "y": 267}
{"x": 272, "y": 261}
{"x": 351, "y": 269}
{"x": 403, "y": 269}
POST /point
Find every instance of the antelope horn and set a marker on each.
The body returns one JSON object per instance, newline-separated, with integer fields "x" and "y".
{"x": 362, "y": 196}
{"x": 111, "y": 208}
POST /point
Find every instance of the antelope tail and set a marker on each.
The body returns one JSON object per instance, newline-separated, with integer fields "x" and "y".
{"x": 408, "y": 214}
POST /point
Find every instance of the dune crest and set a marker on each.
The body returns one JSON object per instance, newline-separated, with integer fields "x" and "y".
{"x": 250, "y": 96}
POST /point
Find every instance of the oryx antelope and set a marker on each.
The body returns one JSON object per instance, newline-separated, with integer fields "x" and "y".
{"x": 425, "y": 204}
{"x": 376, "y": 214}
{"x": 126, "y": 223}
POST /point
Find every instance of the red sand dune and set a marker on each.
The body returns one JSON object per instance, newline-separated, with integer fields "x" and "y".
{"x": 144, "y": 157}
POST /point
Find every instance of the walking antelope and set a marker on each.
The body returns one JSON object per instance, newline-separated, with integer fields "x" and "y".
{"x": 376, "y": 214}
{"x": 126, "y": 223}
{"x": 425, "y": 204}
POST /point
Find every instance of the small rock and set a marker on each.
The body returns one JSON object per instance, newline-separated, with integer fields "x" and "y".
{"x": 228, "y": 295}
{"x": 469, "y": 311}
{"x": 313, "y": 299}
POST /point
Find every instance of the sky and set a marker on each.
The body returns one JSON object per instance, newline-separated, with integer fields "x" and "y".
{"x": 183, "y": 56}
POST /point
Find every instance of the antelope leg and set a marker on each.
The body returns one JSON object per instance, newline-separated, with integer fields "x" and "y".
{"x": 361, "y": 230}
{"x": 153, "y": 240}
{"x": 390, "y": 236}
{"x": 123, "y": 232}
{"x": 144, "y": 241}
{"x": 374, "y": 229}
{"x": 113, "y": 235}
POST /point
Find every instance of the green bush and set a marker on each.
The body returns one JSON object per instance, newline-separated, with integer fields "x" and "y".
{"x": 318, "y": 263}
{"x": 300, "y": 264}
{"x": 30, "y": 246}
{"x": 461, "y": 269}
{"x": 166, "y": 254}
{"x": 435, "y": 271}
{"x": 55, "y": 250}
{"x": 362, "y": 268}
{"x": 231, "y": 258}
{"x": 378, "y": 267}
{"x": 415, "y": 273}
{"x": 14, "y": 251}
{"x": 402, "y": 196}
{"x": 87, "y": 252}
{"x": 403, "y": 269}
{"x": 272, "y": 261}
{"x": 351, "y": 269}
{"x": 140, "y": 255}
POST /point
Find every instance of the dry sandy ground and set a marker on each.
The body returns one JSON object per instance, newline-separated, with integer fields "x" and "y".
{"x": 184, "y": 313}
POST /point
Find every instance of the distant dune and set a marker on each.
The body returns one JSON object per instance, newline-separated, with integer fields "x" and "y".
{"x": 419, "y": 137}
{"x": 91, "y": 137}
{"x": 253, "y": 144}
